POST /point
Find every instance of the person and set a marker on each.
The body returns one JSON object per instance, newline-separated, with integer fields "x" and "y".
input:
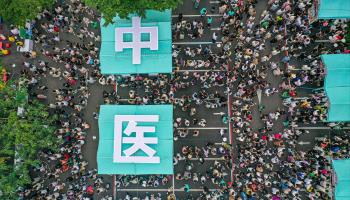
{"x": 196, "y": 3}
{"x": 203, "y": 12}
{"x": 214, "y": 37}
{"x": 209, "y": 21}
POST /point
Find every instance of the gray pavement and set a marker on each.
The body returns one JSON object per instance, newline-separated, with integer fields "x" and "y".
{"x": 208, "y": 134}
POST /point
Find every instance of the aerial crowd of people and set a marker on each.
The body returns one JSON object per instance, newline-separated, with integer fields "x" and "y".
{"x": 256, "y": 56}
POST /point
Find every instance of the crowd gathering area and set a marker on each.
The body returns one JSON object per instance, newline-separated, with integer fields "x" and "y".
{"x": 247, "y": 85}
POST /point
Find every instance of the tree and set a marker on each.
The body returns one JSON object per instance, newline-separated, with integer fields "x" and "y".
{"x": 110, "y": 8}
{"x": 18, "y": 11}
{"x": 21, "y": 138}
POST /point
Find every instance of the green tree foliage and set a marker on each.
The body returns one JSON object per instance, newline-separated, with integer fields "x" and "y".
{"x": 18, "y": 11}
{"x": 21, "y": 138}
{"x": 109, "y": 8}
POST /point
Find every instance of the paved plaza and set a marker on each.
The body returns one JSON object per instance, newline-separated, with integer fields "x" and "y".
{"x": 236, "y": 135}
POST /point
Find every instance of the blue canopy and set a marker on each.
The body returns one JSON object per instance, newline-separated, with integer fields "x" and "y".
{"x": 111, "y": 148}
{"x": 337, "y": 86}
{"x": 151, "y": 61}
{"x": 342, "y": 189}
{"x": 334, "y": 9}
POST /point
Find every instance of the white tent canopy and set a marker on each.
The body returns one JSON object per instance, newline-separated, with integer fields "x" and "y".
{"x": 28, "y": 46}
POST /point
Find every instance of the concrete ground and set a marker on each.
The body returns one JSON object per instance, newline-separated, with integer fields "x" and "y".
{"x": 209, "y": 134}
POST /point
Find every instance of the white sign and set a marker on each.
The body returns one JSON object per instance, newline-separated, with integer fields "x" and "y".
{"x": 139, "y": 141}
{"x": 136, "y": 44}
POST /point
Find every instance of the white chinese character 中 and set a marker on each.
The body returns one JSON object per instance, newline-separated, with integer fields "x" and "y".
{"x": 136, "y": 44}
{"x": 139, "y": 142}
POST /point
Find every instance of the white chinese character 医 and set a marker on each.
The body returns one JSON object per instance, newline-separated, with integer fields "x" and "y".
{"x": 139, "y": 142}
